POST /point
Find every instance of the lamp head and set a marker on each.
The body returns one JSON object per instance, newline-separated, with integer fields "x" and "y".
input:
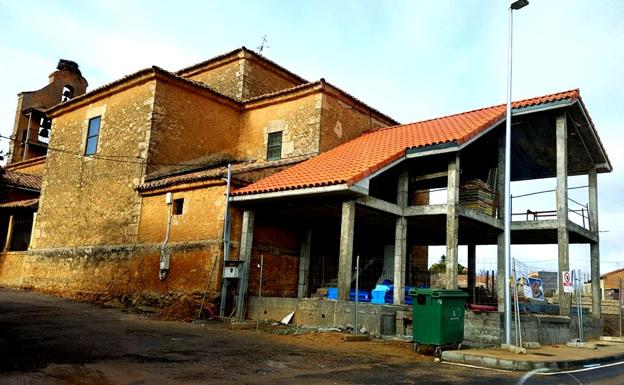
{"x": 518, "y": 4}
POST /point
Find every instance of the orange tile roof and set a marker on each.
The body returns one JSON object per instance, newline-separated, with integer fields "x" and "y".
{"x": 18, "y": 179}
{"x": 371, "y": 151}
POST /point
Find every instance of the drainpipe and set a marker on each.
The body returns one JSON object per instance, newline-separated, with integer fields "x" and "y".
{"x": 164, "y": 253}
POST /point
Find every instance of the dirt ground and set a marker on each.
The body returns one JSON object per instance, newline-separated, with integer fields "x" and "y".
{"x": 47, "y": 340}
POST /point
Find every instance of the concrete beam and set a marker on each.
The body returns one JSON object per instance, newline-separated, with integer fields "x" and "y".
{"x": 345, "y": 262}
{"x": 245, "y": 256}
{"x": 415, "y": 211}
{"x": 563, "y": 246}
{"x": 548, "y": 224}
{"x": 304, "y": 265}
{"x": 580, "y": 230}
{"x": 452, "y": 223}
{"x": 434, "y": 175}
{"x": 480, "y": 217}
{"x": 380, "y": 204}
{"x": 9, "y": 234}
{"x": 594, "y": 247}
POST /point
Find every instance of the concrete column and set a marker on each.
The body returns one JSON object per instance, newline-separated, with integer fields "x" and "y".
{"x": 562, "y": 209}
{"x": 345, "y": 263}
{"x": 400, "y": 255}
{"x": 594, "y": 246}
{"x": 245, "y": 256}
{"x": 501, "y": 280}
{"x": 304, "y": 265}
{"x": 472, "y": 265}
{"x": 452, "y": 222}
{"x": 32, "y": 230}
{"x": 9, "y": 235}
{"x": 400, "y": 239}
{"x": 403, "y": 188}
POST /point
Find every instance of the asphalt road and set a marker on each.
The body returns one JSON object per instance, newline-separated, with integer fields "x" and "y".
{"x": 47, "y": 340}
{"x": 609, "y": 374}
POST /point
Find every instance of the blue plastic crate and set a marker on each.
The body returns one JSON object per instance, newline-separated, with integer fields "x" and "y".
{"x": 379, "y": 296}
{"x": 332, "y": 293}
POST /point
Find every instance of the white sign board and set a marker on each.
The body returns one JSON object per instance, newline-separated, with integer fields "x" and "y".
{"x": 566, "y": 278}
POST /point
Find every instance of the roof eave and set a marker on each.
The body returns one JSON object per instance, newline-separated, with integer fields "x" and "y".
{"x": 605, "y": 166}
{"x": 251, "y": 197}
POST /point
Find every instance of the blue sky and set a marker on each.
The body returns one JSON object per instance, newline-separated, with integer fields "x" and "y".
{"x": 412, "y": 60}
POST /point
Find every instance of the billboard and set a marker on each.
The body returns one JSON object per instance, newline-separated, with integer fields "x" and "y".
{"x": 532, "y": 288}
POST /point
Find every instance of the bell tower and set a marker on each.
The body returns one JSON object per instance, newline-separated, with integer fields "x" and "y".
{"x": 31, "y": 130}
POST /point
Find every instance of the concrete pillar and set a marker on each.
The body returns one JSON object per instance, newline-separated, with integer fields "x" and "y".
{"x": 345, "y": 262}
{"x": 400, "y": 239}
{"x": 32, "y": 230}
{"x": 472, "y": 265}
{"x": 304, "y": 265}
{"x": 501, "y": 280}
{"x": 403, "y": 188}
{"x": 9, "y": 235}
{"x": 400, "y": 255}
{"x": 452, "y": 223}
{"x": 562, "y": 209}
{"x": 594, "y": 246}
{"x": 244, "y": 256}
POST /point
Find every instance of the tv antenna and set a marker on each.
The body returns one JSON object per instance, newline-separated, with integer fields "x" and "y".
{"x": 264, "y": 44}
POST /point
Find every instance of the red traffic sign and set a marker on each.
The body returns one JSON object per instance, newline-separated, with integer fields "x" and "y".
{"x": 568, "y": 287}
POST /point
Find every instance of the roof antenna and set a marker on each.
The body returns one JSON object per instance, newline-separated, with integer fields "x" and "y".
{"x": 264, "y": 44}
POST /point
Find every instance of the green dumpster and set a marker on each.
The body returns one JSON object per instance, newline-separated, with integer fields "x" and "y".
{"x": 438, "y": 316}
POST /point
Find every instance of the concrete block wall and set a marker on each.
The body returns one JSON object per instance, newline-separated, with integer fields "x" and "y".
{"x": 377, "y": 319}
{"x": 546, "y": 329}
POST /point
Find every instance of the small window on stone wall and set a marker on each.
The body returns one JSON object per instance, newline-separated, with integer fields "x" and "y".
{"x": 92, "y": 135}
{"x": 178, "y": 206}
{"x": 274, "y": 146}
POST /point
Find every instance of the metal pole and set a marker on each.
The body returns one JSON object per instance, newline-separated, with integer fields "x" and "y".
{"x": 357, "y": 294}
{"x": 620, "y": 307}
{"x": 261, "y": 265}
{"x": 579, "y": 310}
{"x": 581, "y": 305}
{"x": 226, "y": 239}
{"x": 517, "y": 306}
{"x": 507, "y": 200}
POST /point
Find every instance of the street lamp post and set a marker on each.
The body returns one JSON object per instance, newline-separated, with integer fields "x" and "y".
{"x": 516, "y": 5}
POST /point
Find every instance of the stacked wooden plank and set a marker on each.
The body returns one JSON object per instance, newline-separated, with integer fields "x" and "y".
{"x": 477, "y": 195}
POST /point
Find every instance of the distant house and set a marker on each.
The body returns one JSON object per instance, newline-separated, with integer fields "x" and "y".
{"x": 610, "y": 284}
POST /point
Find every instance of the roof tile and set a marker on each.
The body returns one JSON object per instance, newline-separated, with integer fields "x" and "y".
{"x": 374, "y": 149}
{"x": 18, "y": 179}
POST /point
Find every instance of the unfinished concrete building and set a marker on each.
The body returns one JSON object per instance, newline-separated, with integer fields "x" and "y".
{"x": 361, "y": 199}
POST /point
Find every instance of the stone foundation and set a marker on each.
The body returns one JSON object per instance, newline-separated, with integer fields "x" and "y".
{"x": 127, "y": 274}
